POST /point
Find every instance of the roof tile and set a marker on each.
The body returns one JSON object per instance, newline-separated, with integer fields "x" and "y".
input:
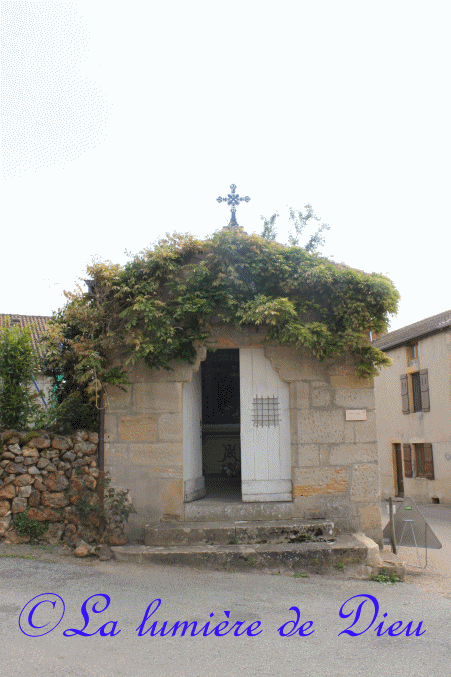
{"x": 429, "y": 325}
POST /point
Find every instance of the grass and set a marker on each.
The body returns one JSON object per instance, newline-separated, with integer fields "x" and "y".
{"x": 47, "y": 548}
{"x": 17, "y": 556}
{"x": 340, "y": 566}
{"x": 301, "y": 574}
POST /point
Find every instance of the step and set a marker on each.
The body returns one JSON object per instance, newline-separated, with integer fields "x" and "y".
{"x": 237, "y": 533}
{"x": 278, "y": 557}
{"x": 212, "y": 510}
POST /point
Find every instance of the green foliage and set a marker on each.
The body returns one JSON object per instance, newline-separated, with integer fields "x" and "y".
{"x": 384, "y": 577}
{"x": 25, "y": 526}
{"x": 18, "y": 364}
{"x": 73, "y": 411}
{"x": 162, "y": 305}
{"x": 111, "y": 514}
{"x": 118, "y": 507}
{"x": 300, "y": 221}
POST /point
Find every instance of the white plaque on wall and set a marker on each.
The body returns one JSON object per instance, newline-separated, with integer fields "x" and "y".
{"x": 356, "y": 414}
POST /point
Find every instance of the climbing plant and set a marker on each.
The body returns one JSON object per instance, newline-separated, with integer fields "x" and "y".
{"x": 162, "y": 304}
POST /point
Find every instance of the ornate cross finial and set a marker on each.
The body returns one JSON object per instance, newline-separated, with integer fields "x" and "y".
{"x": 233, "y": 200}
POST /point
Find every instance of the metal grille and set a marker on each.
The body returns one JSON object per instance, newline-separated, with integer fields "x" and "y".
{"x": 265, "y": 411}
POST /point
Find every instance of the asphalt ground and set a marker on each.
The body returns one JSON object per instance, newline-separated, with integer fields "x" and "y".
{"x": 193, "y": 595}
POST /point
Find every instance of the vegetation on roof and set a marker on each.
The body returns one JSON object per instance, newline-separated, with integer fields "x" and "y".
{"x": 161, "y": 306}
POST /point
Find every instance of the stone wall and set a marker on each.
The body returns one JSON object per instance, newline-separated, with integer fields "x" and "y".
{"x": 335, "y": 473}
{"x": 54, "y": 479}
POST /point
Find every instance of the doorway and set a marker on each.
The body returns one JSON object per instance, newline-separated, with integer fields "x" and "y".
{"x": 397, "y": 464}
{"x": 221, "y": 446}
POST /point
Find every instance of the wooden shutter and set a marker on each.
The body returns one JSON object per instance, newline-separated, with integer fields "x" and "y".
{"x": 424, "y": 385}
{"x": 405, "y": 394}
{"x": 407, "y": 453}
{"x": 428, "y": 461}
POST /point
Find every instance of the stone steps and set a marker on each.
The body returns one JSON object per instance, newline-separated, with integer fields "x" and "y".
{"x": 240, "y": 532}
{"x": 214, "y": 509}
{"x": 315, "y": 557}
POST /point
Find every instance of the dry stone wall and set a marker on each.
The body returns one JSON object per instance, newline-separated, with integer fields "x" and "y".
{"x": 53, "y": 480}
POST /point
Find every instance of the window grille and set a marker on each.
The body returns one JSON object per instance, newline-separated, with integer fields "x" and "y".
{"x": 265, "y": 411}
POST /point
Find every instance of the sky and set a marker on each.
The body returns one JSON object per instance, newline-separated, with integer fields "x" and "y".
{"x": 122, "y": 121}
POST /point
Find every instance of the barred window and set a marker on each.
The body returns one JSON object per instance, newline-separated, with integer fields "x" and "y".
{"x": 265, "y": 411}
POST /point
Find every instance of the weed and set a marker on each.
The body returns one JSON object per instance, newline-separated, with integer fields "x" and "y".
{"x": 13, "y": 556}
{"x": 252, "y": 562}
{"x": 340, "y": 566}
{"x": 385, "y": 577}
{"x": 47, "y": 548}
{"x": 25, "y": 526}
{"x": 301, "y": 574}
{"x": 233, "y": 541}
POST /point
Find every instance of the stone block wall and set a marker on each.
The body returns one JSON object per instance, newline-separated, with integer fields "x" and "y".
{"x": 46, "y": 476}
{"x": 144, "y": 444}
{"x": 335, "y": 471}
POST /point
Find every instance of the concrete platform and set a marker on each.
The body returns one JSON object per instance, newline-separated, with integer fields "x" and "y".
{"x": 237, "y": 533}
{"x": 318, "y": 557}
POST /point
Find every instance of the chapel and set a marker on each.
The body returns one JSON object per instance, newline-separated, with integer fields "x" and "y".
{"x": 250, "y": 430}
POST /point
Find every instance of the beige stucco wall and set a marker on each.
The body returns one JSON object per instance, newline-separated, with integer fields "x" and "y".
{"x": 334, "y": 462}
{"x": 434, "y": 426}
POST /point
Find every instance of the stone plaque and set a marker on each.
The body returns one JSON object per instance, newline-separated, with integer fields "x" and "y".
{"x": 356, "y": 414}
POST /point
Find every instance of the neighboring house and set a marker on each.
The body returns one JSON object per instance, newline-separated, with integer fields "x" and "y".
{"x": 37, "y": 325}
{"x": 413, "y": 411}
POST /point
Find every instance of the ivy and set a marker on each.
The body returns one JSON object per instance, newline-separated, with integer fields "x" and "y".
{"x": 162, "y": 305}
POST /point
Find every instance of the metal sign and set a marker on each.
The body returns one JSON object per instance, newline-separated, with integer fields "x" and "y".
{"x": 411, "y": 529}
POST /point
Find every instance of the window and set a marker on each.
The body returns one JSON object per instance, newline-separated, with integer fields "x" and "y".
{"x": 424, "y": 461}
{"x": 265, "y": 411}
{"x": 413, "y": 350}
{"x": 415, "y": 392}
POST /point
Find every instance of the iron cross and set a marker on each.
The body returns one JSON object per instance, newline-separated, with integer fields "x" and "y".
{"x": 233, "y": 200}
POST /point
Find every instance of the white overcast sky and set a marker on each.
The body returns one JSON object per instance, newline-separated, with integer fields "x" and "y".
{"x": 124, "y": 120}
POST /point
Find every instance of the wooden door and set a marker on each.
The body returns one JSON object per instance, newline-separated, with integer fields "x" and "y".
{"x": 399, "y": 480}
{"x": 264, "y": 430}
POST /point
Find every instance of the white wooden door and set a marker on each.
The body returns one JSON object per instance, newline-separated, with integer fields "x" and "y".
{"x": 264, "y": 430}
{"x": 193, "y": 480}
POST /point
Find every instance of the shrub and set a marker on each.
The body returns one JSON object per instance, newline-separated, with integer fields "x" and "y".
{"x": 25, "y": 526}
{"x": 18, "y": 363}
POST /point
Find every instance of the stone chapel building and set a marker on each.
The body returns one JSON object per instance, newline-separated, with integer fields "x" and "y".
{"x": 249, "y": 431}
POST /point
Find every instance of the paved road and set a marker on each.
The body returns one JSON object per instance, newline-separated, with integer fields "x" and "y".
{"x": 193, "y": 595}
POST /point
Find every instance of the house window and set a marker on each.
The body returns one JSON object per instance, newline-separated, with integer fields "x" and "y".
{"x": 413, "y": 349}
{"x": 415, "y": 392}
{"x": 424, "y": 462}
